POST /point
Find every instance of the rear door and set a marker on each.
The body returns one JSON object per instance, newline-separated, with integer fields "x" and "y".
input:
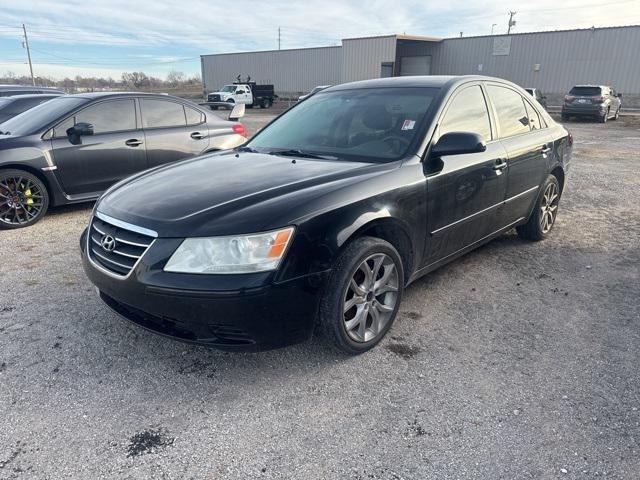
{"x": 168, "y": 135}
{"x": 465, "y": 191}
{"x": 527, "y": 142}
{"x": 115, "y": 151}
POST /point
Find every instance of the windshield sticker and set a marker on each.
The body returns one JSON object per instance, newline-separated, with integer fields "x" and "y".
{"x": 408, "y": 124}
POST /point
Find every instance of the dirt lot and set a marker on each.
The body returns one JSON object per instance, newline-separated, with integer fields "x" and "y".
{"x": 518, "y": 361}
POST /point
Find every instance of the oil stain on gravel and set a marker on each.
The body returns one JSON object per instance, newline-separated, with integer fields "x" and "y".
{"x": 149, "y": 441}
{"x": 403, "y": 350}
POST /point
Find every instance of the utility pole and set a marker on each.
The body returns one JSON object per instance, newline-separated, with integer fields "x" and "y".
{"x": 26, "y": 45}
{"x": 461, "y": 34}
{"x": 278, "y": 38}
{"x": 512, "y": 22}
{"x": 493, "y": 25}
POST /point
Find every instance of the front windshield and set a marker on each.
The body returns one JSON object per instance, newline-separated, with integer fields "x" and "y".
{"x": 368, "y": 124}
{"x": 38, "y": 117}
{"x": 228, "y": 88}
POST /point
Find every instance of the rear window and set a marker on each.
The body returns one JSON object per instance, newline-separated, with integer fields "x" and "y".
{"x": 586, "y": 91}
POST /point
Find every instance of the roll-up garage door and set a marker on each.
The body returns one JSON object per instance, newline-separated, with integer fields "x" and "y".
{"x": 419, "y": 65}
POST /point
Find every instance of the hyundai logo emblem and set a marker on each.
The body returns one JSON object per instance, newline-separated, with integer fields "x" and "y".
{"x": 108, "y": 243}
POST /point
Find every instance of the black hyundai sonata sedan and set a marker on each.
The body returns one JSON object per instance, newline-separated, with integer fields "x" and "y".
{"x": 327, "y": 214}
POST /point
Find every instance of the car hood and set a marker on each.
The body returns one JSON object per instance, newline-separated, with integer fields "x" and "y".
{"x": 228, "y": 193}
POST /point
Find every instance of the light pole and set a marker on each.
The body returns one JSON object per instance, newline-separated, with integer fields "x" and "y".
{"x": 493, "y": 25}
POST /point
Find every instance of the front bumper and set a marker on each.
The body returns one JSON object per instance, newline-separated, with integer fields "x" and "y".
{"x": 247, "y": 312}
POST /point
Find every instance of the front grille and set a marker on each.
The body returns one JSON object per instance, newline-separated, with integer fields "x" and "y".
{"x": 214, "y": 98}
{"x": 122, "y": 253}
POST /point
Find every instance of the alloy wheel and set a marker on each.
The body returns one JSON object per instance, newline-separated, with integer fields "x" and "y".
{"x": 370, "y": 298}
{"x": 21, "y": 200}
{"x": 549, "y": 207}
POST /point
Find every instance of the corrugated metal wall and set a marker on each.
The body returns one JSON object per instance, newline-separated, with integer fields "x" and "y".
{"x": 363, "y": 57}
{"x": 609, "y": 56}
{"x": 290, "y": 71}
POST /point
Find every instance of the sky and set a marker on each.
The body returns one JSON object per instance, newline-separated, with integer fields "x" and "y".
{"x": 108, "y": 37}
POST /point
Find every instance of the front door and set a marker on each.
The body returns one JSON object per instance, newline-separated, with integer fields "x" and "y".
{"x": 168, "y": 137}
{"x": 464, "y": 191}
{"x": 115, "y": 150}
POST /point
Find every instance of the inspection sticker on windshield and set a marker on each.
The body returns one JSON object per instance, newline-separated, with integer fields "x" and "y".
{"x": 408, "y": 124}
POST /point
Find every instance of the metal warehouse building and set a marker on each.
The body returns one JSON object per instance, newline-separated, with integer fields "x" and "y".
{"x": 551, "y": 61}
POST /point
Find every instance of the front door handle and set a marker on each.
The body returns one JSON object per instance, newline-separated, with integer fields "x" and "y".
{"x": 133, "y": 142}
{"x": 500, "y": 165}
{"x": 545, "y": 149}
{"x": 197, "y": 136}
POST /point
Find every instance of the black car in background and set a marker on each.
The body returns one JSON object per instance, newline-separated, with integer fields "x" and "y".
{"x": 599, "y": 101}
{"x": 328, "y": 213}
{"x": 12, "y": 106}
{"x": 72, "y": 148}
{"x": 537, "y": 94}
{"x": 10, "y": 90}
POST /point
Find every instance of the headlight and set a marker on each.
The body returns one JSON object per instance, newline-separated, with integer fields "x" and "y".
{"x": 233, "y": 254}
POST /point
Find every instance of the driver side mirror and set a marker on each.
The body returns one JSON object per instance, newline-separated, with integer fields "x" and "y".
{"x": 78, "y": 130}
{"x": 237, "y": 113}
{"x": 458, "y": 143}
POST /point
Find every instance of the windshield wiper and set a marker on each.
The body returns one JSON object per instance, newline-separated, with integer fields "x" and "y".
{"x": 245, "y": 149}
{"x": 5, "y": 133}
{"x": 294, "y": 152}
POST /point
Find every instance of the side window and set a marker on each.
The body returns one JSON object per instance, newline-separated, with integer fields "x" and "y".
{"x": 110, "y": 116}
{"x": 194, "y": 117}
{"x": 467, "y": 113}
{"x": 512, "y": 116}
{"x": 162, "y": 113}
{"x": 60, "y": 130}
{"x": 534, "y": 118}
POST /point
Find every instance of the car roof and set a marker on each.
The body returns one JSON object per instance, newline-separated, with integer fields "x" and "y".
{"x": 436, "y": 81}
{"x": 27, "y": 96}
{"x": 94, "y": 95}
{"x": 28, "y": 87}
{"x": 596, "y": 86}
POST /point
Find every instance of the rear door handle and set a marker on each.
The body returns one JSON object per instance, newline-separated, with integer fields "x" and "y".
{"x": 197, "y": 136}
{"x": 133, "y": 142}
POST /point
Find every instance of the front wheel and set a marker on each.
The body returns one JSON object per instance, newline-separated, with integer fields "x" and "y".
{"x": 545, "y": 212}
{"x": 363, "y": 295}
{"x": 23, "y": 199}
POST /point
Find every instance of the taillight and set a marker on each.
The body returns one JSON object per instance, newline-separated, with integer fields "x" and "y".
{"x": 597, "y": 99}
{"x": 239, "y": 129}
{"x": 569, "y": 98}
{"x": 570, "y": 139}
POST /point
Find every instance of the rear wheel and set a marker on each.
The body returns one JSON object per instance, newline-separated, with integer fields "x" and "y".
{"x": 605, "y": 116}
{"x": 545, "y": 212}
{"x": 213, "y": 107}
{"x": 23, "y": 199}
{"x": 617, "y": 115}
{"x": 363, "y": 295}
{"x": 565, "y": 117}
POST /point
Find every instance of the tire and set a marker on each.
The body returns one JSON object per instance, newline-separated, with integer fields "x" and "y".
{"x": 564, "y": 117}
{"x": 263, "y": 103}
{"x": 213, "y": 107}
{"x": 360, "y": 327}
{"x": 24, "y": 199}
{"x": 617, "y": 115}
{"x": 544, "y": 213}
{"x": 604, "y": 117}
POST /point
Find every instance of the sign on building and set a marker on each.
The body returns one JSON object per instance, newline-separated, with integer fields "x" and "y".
{"x": 501, "y": 45}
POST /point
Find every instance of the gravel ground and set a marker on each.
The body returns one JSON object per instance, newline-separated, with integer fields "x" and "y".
{"x": 518, "y": 361}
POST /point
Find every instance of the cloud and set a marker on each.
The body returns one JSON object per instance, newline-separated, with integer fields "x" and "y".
{"x": 165, "y": 31}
